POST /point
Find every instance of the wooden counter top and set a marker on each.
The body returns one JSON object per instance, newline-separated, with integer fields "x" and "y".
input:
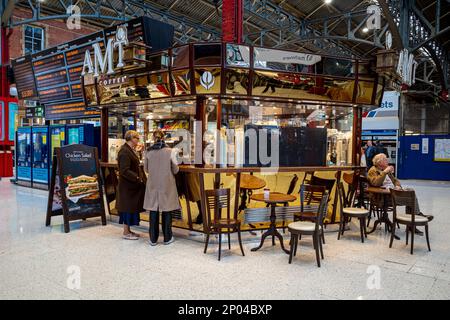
{"x": 192, "y": 169}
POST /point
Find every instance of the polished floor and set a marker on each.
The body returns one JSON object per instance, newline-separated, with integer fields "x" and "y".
{"x": 93, "y": 262}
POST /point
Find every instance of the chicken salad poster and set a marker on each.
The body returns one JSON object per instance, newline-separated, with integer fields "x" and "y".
{"x": 79, "y": 179}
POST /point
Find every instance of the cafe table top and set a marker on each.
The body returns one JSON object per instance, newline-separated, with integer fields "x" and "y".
{"x": 274, "y": 197}
{"x": 251, "y": 182}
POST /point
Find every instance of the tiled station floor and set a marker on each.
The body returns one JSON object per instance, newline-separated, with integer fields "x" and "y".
{"x": 42, "y": 262}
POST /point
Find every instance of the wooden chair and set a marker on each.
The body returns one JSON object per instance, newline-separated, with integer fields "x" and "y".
{"x": 407, "y": 198}
{"x": 348, "y": 211}
{"x": 352, "y": 182}
{"x": 299, "y": 228}
{"x": 310, "y": 199}
{"x": 216, "y": 201}
{"x": 327, "y": 183}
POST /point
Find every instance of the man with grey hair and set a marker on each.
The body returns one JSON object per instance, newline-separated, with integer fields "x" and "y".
{"x": 382, "y": 175}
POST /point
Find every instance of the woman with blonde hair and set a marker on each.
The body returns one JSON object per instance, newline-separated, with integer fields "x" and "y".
{"x": 131, "y": 188}
{"x": 161, "y": 194}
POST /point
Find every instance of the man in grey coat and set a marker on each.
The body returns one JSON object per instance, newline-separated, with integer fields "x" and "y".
{"x": 161, "y": 191}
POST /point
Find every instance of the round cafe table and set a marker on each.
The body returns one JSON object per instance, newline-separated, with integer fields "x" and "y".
{"x": 273, "y": 199}
{"x": 385, "y": 194}
{"x": 248, "y": 184}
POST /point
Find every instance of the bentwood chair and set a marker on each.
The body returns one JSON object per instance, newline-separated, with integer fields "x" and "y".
{"x": 352, "y": 182}
{"x": 407, "y": 198}
{"x": 348, "y": 212}
{"x": 315, "y": 229}
{"x": 310, "y": 198}
{"x": 216, "y": 201}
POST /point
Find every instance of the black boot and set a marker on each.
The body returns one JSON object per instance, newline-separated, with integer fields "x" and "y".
{"x": 429, "y": 217}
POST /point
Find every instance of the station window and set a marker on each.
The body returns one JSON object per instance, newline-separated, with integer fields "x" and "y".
{"x": 34, "y": 39}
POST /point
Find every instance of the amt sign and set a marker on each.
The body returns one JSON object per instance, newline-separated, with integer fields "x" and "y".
{"x": 104, "y": 64}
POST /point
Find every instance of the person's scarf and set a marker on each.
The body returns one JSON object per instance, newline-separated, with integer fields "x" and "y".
{"x": 158, "y": 145}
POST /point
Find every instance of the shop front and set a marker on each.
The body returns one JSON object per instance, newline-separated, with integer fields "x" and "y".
{"x": 241, "y": 117}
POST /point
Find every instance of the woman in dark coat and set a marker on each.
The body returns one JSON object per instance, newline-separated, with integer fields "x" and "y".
{"x": 131, "y": 189}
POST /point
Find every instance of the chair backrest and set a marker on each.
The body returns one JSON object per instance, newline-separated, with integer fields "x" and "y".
{"x": 404, "y": 198}
{"x": 342, "y": 197}
{"x": 327, "y": 183}
{"x": 323, "y": 208}
{"x": 348, "y": 178}
{"x": 216, "y": 201}
{"x": 306, "y": 179}
{"x": 311, "y": 194}
{"x": 292, "y": 184}
{"x": 352, "y": 181}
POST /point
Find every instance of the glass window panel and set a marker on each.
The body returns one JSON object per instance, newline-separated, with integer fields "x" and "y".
{"x": 91, "y": 95}
{"x": 237, "y": 81}
{"x": 180, "y": 57}
{"x": 28, "y": 31}
{"x": 276, "y": 84}
{"x": 208, "y": 54}
{"x": 238, "y": 55}
{"x": 182, "y": 82}
{"x": 307, "y": 134}
{"x": 335, "y": 89}
{"x": 296, "y": 86}
{"x": 338, "y": 67}
{"x": 137, "y": 88}
{"x": 37, "y": 44}
{"x": 37, "y": 32}
{"x": 379, "y": 94}
{"x": 364, "y": 92}
{"x": 158, "y": 62}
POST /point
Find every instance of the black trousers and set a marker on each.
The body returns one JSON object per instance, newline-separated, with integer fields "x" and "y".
{"x": 166, "y": 225}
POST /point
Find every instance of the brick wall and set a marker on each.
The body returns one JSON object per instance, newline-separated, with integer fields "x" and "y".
{"x": 56, "y": 32}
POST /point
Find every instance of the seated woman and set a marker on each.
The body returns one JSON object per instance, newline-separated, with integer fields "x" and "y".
{"x": 381, "y": 175}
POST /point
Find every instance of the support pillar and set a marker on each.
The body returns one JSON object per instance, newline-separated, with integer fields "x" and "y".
{"x": 104, "y": 122}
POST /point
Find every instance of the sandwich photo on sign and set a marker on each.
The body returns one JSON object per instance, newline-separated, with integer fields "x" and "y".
{"x": 82, "y": 187}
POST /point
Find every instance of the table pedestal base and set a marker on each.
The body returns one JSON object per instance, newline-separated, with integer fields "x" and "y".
{"x": 274, "y": 233}
{"x": 388, "y": 223}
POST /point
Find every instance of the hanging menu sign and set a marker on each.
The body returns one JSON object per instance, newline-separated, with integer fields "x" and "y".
{"x": 77, "y": 170}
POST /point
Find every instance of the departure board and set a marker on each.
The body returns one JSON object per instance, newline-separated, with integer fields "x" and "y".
{"x": 23, "y": 72}
{"x": 53, "y": 76}
{"x": 69, "y": 110}
{"x": 58, "y": 70}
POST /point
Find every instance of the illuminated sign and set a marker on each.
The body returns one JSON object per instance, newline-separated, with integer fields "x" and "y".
{"x": 104, "y": 64}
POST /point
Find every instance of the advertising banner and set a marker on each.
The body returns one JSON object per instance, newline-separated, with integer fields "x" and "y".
{"x": 76, "y": 185}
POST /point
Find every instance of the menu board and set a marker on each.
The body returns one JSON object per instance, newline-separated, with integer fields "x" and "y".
{"x": 77, "y": 185}
{"x": 23, "y": 73}
{"x": 69, "y": 110}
